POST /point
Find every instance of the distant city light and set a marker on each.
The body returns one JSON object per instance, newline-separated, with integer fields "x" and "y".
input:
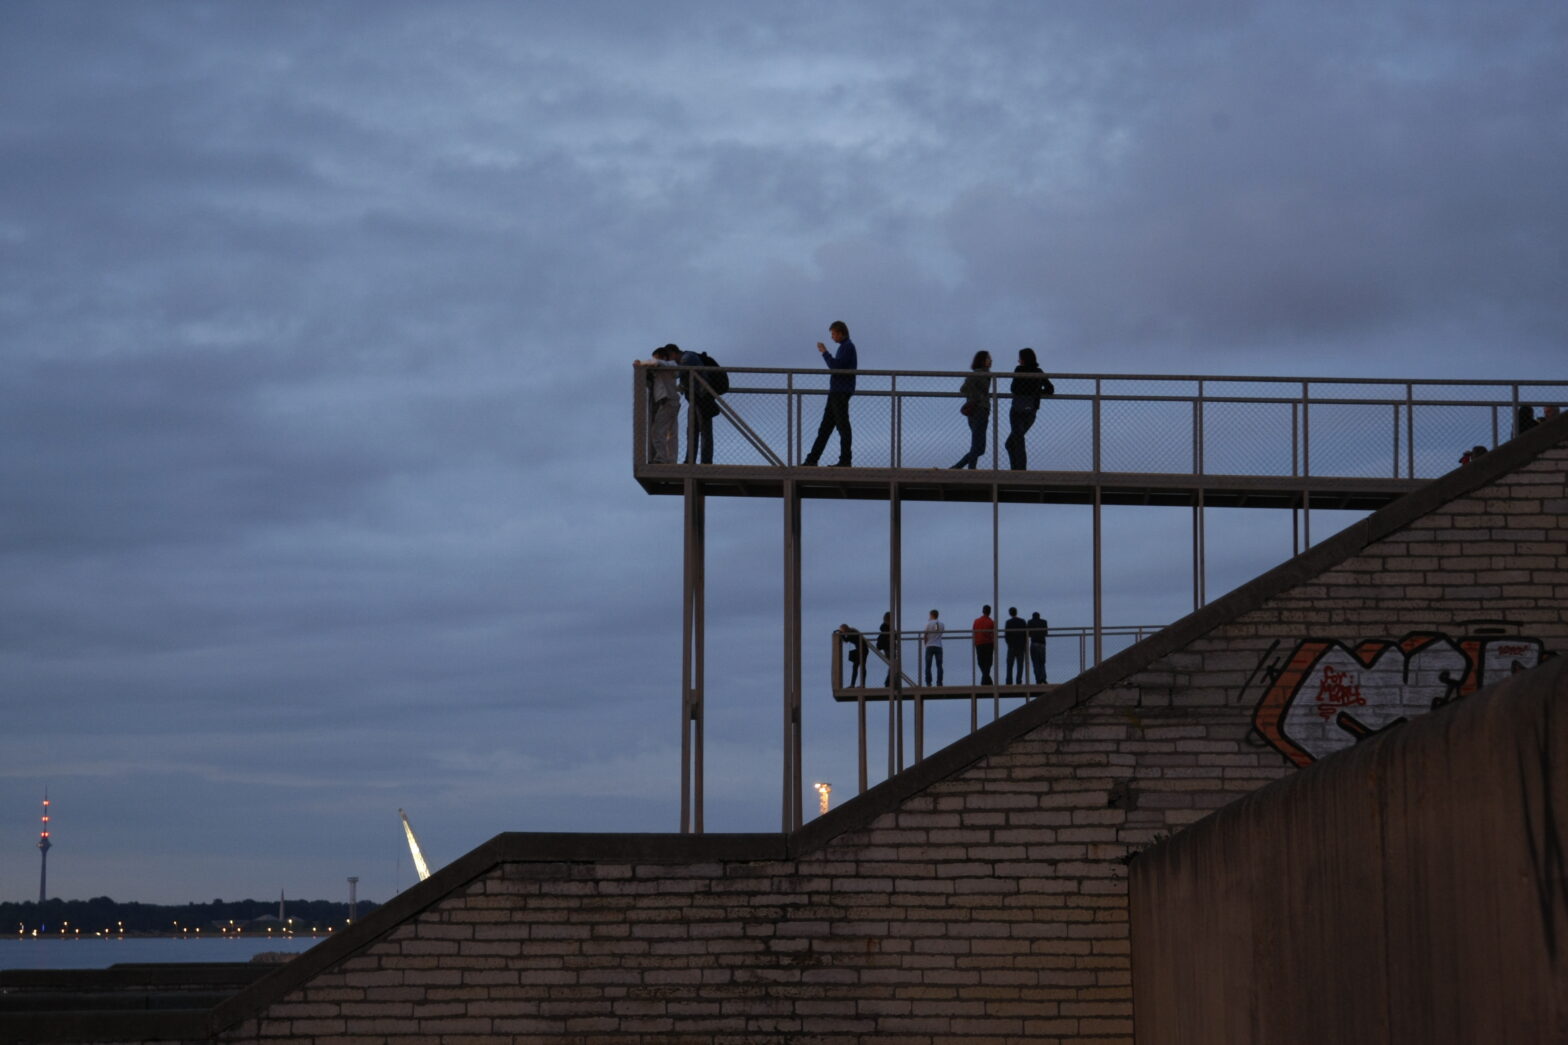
{"x": 824, "y": 796}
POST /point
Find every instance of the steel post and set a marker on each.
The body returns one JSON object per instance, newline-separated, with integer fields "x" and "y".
{"x": 1099, "y": 609}
{"x": 692, "y": 659}
{"x": 792, "y": 798}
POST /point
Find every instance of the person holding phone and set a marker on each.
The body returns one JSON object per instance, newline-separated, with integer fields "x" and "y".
{"x": 835, "y": 412}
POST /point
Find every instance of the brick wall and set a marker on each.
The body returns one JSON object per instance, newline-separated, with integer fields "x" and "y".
{"x": 981, "y": 895}
{"x": 1409, "y": 890}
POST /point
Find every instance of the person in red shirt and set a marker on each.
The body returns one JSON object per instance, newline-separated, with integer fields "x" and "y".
{"x": 985, "y": 643}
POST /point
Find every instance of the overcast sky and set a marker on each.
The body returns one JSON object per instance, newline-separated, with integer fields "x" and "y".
{"x": 316, "y": 321}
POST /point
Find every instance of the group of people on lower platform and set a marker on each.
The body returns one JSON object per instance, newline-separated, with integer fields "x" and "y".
{"x": 1024, "y": 642}
{"x": 667, "y": 386}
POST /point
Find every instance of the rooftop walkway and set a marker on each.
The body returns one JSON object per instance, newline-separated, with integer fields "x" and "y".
{"x": 1132, "y": 439}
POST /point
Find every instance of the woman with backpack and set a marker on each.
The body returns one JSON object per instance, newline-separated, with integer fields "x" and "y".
{"x": 702, "y": 406}
{"x": 1027, "y": 391}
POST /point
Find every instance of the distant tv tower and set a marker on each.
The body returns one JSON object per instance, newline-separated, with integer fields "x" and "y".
{"x": 43, "y": 853}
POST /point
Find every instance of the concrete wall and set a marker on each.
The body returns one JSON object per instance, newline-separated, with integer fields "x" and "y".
{"x": 981, "y": 895}
{"x": 1414, "y": 889}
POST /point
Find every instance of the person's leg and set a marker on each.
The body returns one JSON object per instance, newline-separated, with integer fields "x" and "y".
{"x": 931, "y": 652}
{"x": 665, "y": 414}
{"x": 977, "y": 427}
{"x": 977, "y": 423}
{"x": 824, "y": 429}
{"x": 693, "y": 429}
{"x": 699, "y": 445}
{"x": 839, "y": 404}
{"x": 983, "y": 654}
{"x": 940, "y": 677}
{"x": 1020, "y": 422}
{"x": 1037, "y": 655}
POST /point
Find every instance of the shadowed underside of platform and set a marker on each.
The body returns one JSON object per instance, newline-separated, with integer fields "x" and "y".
{"x": 1031, "y": 487}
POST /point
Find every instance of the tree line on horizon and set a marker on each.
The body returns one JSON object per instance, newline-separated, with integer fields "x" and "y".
{"x": 103, "y": 914}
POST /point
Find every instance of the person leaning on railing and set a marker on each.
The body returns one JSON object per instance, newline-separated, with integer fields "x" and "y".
{"x": 856, "y": 641}
{"x": 701, "y": 408}
{"x": 663, "y": 427}
{"x": 976, "y": 391}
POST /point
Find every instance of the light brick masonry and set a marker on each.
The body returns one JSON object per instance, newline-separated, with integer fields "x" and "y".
{"x": 980, "y": 896}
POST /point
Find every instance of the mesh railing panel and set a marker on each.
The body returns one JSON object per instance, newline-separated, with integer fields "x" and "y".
{"x": 1153, "y": 436}
{"x": 1443, "y": 433}
{"x": 1250, "y": 439}
{"x": 1152, "y": 425}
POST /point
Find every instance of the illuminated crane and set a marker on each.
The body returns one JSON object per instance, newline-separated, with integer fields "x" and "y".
{"x": 413, "y": 847}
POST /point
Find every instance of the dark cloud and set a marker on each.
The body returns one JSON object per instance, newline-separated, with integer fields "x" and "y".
{"x": 314, "y": 432}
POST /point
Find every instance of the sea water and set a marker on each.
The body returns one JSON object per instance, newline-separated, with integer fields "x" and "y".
{"x": 100, "y": 952}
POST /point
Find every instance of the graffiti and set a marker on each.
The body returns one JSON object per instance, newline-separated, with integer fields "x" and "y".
{"x": 1325, "y": 695}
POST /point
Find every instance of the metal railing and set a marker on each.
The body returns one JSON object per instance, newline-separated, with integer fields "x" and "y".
{"x": 1370, "y": 428}
{"x": 905, "y": 686}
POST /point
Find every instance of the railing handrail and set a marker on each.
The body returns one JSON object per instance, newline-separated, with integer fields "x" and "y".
{"x": 1055, "y": 375}
{"x": 1328, "y": 432}
{"x": 1051, "y": 630}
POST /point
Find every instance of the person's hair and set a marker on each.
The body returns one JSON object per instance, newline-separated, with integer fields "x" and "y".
{"x": 981, "y": 361}
{"x": 986, "y": 608}
{"x": 1013, "y": 610}
{"x": 888, "y": 615}
{"x": 1026, "y": 357}
{"x": 933, "y": 613}
{"x": 838, "y": 326}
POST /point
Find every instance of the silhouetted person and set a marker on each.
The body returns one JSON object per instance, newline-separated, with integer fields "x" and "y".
{"x": 976, "y": 391}
{"x": 1038, "y": 630}
{"x": 1026, "y": 391}
{"x": 1524, "y": 420}
{"x": 885, "y": 645}
{"x": 857, "y": 652}
{"x": 835, "y": 412}
{"x": 985, "y": 644}
{"x": 1015, "y": 633}
{"x": 701, "y": 408}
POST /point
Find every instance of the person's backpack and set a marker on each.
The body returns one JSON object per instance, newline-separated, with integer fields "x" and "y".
{"x": 718, "y": 380}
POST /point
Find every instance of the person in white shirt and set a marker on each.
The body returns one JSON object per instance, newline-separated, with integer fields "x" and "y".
{"x": 663, "y": 428}
{"x": 931, "y": 640}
